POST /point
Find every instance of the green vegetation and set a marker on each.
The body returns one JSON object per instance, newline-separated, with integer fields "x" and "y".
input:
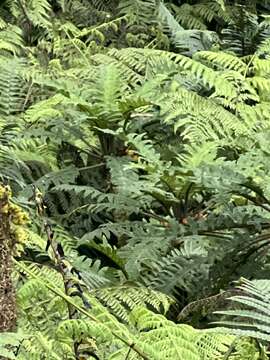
{"x": 135, "y": 179}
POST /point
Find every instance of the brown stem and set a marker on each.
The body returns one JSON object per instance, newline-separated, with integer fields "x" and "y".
{"x": 7, "y": 292}
{"x": 59, "y": 263}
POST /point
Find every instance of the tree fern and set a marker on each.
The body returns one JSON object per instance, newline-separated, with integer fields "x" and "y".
{"x": 136, "y": 135}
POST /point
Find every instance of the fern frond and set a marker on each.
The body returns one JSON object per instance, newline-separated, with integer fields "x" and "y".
{"x": 222, "y": 60}
{"x": 212, "y": 9}
{"x": 120, "y": 301}
{"x": 187, "y": 111}
{"x": 139, "y": 12}
{"x": 174, "y": 265}
{"x": 11, "y": 87}
{"x": 182, "y": 340}
{"x": 252, "y": 319}
{"x": 11, "y": 39}
{"x": 187, "y": 17}
{"x": 201, "y": 72}
{"x": 38, "y": 11}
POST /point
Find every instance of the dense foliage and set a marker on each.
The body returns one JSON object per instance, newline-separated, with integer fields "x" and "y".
{"x": 135, "y": 178}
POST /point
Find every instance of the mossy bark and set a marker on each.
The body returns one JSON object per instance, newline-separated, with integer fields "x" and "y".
{"x": 7, "y": 292}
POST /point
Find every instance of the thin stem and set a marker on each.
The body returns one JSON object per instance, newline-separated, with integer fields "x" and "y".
{"x": 248, "y": 64}
{"x": 27, "y": 96}
{"x": 187, "y": 198}
{"x": 256, "y": 240}
{"x": 25, "y": 12}
{"x": 105, "y": 24}
{"x": 77, "y": 48}
{"x": 215, "y": 233}
{"x": 231, "y": 349}
{"x": 91, "y": 167}
{"x": 257, "y": 191}
{"x": 154, "y": 216}
{"x": 128, "y": 353}
{"x": 38, "y": 197}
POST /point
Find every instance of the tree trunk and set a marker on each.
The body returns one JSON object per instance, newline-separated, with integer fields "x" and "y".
{"x": 7, "y": 292}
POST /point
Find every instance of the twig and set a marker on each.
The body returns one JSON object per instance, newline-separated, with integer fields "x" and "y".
{"x": 231, "y": 349}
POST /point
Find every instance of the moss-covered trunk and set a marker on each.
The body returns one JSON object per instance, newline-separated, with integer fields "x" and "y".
{"x": 7, "y": 293}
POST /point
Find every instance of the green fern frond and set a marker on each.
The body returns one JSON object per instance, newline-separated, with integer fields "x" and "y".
{"x": 139, "y": 12}
{"x": 120, "y": 301}
{"x": 99, "y": 201}
{"x": 8, "y": 341}
{"x": 168, "y": 20}
{"x": 196, "y": 154}
{"x": 81, "y": 329}
{"x": 144, "y": 147}
{"x": 260, "y": 83}
{"x": 132, "y": 76}
{"x": 255, "y": 117}
{"x": 45, "y": 109}
{"x": 38, "y": 12}
{"x": 262, "y": 67}
{"x": 131, "y": 57}
{"x": 11, "y": 39}
{"x": 12, "y": 85}
{"x": 209, "y": 77}
{"x": 252, "y": 319}
{"x": 182, "y": 340}
{"x": 177, "y": 267}
{"x": 187, "y": 112}
{"x": 212, "y": 9}
{"x": 93, "y": 274}
{"x": 222, "y": 60}
{"x": 187, "y": 17}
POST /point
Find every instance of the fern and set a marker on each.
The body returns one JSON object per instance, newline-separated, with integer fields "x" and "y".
{"x": 140, "y": 343}
{"x": 11, "y": 40}
{"x": 139, "y": 12}
{"x": 143, "y": 128}
{"x": 35, "y": 11}
{"x": 179, "y": 336}
{"x": 223, "y": 61}
{"x": 120, "y": 303}
{"x": 178, "y": 268}
{"x": 12, "y": 87}
{"x": 253, "y": 319}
